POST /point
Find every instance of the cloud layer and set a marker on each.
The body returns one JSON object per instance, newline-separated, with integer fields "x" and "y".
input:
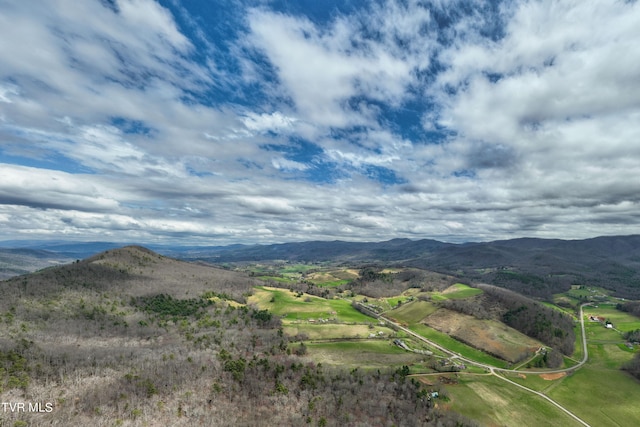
{"x": 130, "y": 120}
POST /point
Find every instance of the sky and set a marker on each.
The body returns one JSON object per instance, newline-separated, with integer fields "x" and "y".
{"x": 218, "y": 122}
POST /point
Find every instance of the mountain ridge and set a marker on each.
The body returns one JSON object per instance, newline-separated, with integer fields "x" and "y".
{"x": 533, "y": 266}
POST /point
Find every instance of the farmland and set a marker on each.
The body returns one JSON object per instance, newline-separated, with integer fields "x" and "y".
{"x": 292, "y": 306}
{"x": 336, "y": 334}
{"x": 491, "y": 401}
{"x": 368, "y": 354}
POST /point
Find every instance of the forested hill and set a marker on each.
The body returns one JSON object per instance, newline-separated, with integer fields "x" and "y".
{"x": 540, "y": 267}
{"x": 130, "y": 337}
{"x": 535, "y": 267}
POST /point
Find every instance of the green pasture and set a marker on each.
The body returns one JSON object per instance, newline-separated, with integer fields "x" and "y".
{"x": 393, "y": 301}
{"x": 607, "y": 355}
{"x": 600, "y": 392}
{"x": 331, "y": 283}
{"x": 297, "y": 268}
{"x": 622, "y": 321}
{"x": 597, "y": 332}
{"x": 566, "y": 299}
{"x": 456, "y": 346}
{"x": 291, "y": 307}
{"x": 324, "y": 331}
{"x": 413, "y": 312}
{"x": 564, "y": 310}
{"x": 600, "y": 396}
{"x": 277, "y": 279}
{"x": 569, "y": 362}
{"x": 461, "y": 291}
{"x": 532, "y": 381}
{"x": 367, "y": 354}
{"x": 492, "y": 402}
{"x": 587, "y": 292}
{"x": 456, "y": 291}
{"x": 577, "y": 348}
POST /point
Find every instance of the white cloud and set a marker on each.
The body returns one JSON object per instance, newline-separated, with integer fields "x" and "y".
{"x": 7, "y": 92}
{"x": 20, "y": 185}
{"x": 543, "y": 123}
{"x": 275, "y": 122}
{"x": 288, "y": 165}
{"x": 267, "y": 205}
{"x": 320, "y": 71}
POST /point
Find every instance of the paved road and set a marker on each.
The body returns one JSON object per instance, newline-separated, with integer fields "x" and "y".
{"x": 585, "y": 355}
{"x": 492, "y": 369}
{"x": 544, "y": 396}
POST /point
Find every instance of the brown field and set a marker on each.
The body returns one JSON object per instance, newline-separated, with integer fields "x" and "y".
{"x": 488, "y": 335}
{"x": 551, "y": 377}
{"x": 322, "y": 277}
{"x": 332, "y": 330}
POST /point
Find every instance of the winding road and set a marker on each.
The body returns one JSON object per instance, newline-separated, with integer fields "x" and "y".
{"x": 493, "y": 369}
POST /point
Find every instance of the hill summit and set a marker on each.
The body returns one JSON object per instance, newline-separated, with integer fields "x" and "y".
{"x": 135, "y": 271}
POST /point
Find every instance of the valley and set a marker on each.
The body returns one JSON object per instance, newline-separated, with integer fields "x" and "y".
{"x": 185, "y": 341}
{"x": 492, "y": 351}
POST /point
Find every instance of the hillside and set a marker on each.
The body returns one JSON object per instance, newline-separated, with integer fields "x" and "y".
{"x": 536, "y": 267}
{"x": 14, "y": 262}
{"x": 130, "y": 337}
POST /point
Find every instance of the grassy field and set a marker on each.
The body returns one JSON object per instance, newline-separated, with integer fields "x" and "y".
{"x": 490, "y": 336}
{"x": 601, "y": 396}
{"x": 571, "y": 312}
{"x": 456, "y": 291}
{"x": 494, "y": 402}
{"x": 277, "y": 279}
{"x": 319, "y": 275}
{"x": 297, "y": 268}
{"x": 362, "y": 353}
{"x": 535, "y": 382}
{"x": 413, "y": 312}
{"x": 331, "y": 278}
{"x": 460, "y": 291}
{"x": 621, "y": 321}
{"x": 393, "y": 301}
{"x": 291, "y": 307}
{"x": 457, "y": 346}
{"x": 334, "y": 331}
{"x": 600, "y": 392}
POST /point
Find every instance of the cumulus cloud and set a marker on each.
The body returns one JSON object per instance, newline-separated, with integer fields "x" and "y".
{"x": 275, "y": 122}
{"x": 134, "y": 120}
{"x": 320, "y": 70}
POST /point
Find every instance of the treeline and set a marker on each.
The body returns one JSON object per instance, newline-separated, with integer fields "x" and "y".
{"x": 532, "y": 318}
{"x": 633, "y": 366}
{"x": 632, "y": 307}
{"x": 481, "y": 307}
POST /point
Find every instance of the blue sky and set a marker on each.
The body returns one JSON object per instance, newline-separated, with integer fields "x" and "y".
{"x": 220, "y": 122}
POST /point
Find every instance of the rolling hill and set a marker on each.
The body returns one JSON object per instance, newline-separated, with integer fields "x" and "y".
{"x": 536, "y": 267}
{"x": 130, "y": 337}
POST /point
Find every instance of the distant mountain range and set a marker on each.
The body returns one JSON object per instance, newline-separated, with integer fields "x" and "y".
{"x": 537, "y": 267}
